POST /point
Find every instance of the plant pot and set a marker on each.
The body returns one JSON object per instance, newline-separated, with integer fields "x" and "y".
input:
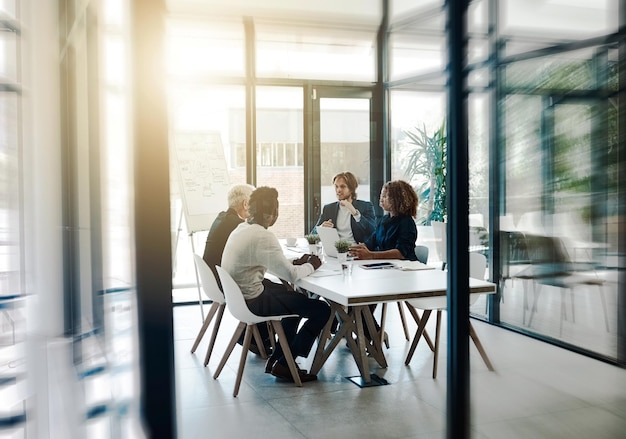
{"x": 313, "y": 249}
{"x": 342, "y": 256}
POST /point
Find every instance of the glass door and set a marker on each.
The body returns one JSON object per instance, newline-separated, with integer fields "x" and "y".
{"x": 340, "y": 141}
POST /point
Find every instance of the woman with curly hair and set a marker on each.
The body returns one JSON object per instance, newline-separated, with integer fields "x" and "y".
{"x": 396, "y": 232}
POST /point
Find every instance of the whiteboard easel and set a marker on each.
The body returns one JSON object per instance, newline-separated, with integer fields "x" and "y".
{"x": 203, "y": 181}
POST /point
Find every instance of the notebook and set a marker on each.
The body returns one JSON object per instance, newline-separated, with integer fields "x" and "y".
{"x": 328, "y": 236}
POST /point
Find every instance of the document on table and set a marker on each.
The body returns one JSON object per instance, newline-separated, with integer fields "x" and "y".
{"x": 326, "y": 271}
{"x": 412, "y": 266}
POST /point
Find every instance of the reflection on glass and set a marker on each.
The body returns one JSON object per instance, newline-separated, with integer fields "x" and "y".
{"x": 280, "y": 154}
{"x": 197, "y": 110}
{"x": 285, "y": 51}
{"x": 559, "y": 248}
{"x": 344, "y": 144}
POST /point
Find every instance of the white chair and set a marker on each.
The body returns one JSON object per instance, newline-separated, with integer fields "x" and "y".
{"x": 476, "y": 220}
{"x": 421, "y": 251}
{"x": 507, "y": 222}
{"x": 212, "y": 290}
{"x": 239, "y": 309}
{"x": 478, "y": 265}
{"x": 439, "y": 230}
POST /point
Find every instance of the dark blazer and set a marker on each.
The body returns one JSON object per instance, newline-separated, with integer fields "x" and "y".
{"x": 399, "y": 232}
{"x": 361, "y": 230}
{"x": 220, "y": 230}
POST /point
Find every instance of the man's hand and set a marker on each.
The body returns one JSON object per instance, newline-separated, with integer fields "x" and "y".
{"x": 301, "y": 260}
{"x": 311, "y": 259}
{"x": 348, "y": 204}
{"x": 327, "y": 223}
{"x": 314, "y": 261}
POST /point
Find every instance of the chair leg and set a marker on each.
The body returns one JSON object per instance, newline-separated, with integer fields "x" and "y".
{"x": 259, "y": 342}
{"x": 563, "y": 312}
{"x": 229, "y": 349}
{"x": 416, "y": 317}
{"x": 205, "y": 326}
{"x": 479, "y": 346}
{"x": 403, "y": 319}
{"x": 533, "y": 310}
{"x": 272, "y": 335}
{"x": 216, "y": 327}
{"x": 244, "y": 355}
{"x": 437, "y": 337}
{"x": 383, "y": 320}
{"x": 606, "y": 316}
{"x": 420, "y": 329}
{"x": 282, "y": 339}
{"x": 571, "y": 293}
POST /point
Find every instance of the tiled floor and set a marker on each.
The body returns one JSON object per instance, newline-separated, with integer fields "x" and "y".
{"x": 537, "y": 391}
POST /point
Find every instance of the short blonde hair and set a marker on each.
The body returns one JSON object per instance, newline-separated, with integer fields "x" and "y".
{"x": 239, "y": 193}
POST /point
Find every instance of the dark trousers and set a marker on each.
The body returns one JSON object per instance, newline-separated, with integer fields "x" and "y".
{"x": 277, "y": 299}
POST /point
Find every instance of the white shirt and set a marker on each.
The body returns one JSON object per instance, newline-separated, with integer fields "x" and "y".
{"x": 344, "y": 228}
{"x": 252, "y": 250}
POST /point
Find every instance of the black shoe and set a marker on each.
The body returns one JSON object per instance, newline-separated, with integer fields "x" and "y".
{"x": 269, "y": 364}
{"x": 254, "y": 349}
{"x": 283, "y": 372}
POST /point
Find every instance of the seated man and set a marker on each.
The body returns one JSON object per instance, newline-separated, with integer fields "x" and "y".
{"x": 250, "y": 252}
{"x": 226, "y": 221}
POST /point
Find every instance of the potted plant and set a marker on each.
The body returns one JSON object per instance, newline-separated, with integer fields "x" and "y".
{"x": 426, "y": 165}
{"x": 313, "y": 239}
{"x": 342, "y": 246}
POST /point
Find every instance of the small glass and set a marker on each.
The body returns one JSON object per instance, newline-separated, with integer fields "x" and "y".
{"x": 347, "y": 266}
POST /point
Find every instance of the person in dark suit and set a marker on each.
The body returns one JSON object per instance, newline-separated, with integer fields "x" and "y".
{"x": 354, "y": 219}
{"x": 238, "y": 199}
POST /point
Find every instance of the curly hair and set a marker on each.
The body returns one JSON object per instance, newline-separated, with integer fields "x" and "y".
{"x": 402, "y": 197}
{"x": 263, "y": 201}
{"x": 351, "y": 182}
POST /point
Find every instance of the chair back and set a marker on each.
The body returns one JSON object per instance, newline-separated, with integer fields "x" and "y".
{"x": 477, "y": 265}
{"x": 421, "y": 251}
{"x": 548, "y": 255}
{"x": 235, "y": 302}
{"x": 477, "y": 268}
{"x": 439, "y": 230}
{"x": 208, "y": 281}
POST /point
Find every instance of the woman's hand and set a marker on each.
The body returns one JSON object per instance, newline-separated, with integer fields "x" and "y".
{"x": 360, "y": 251}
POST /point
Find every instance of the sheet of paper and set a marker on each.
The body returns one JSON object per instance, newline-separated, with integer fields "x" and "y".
{"x": 412, "y": 265}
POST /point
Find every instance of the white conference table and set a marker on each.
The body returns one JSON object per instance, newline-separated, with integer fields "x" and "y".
{"x": 365, "y": 287}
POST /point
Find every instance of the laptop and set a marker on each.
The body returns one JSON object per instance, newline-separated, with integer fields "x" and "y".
{"x": 328, "y": 236}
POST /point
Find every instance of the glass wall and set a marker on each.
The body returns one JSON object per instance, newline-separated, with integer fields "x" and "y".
{"x": 278, "y": 76}
{"x": 344, "y": 144}
{"x": 280, "y": 153}
{"x": 557, "y": 114}
{"x": 554, "y": 153}
{"x": 12, "y": 273}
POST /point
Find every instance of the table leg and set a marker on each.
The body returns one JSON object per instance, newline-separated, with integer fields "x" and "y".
{"x": 418, "y": 334}
{"x": 345, "y": 330}
{"x": 374, "y": 347}
{"x": 361, "y": 355}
